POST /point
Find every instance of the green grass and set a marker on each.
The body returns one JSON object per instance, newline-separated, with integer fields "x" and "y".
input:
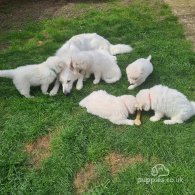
{"x": 150, "y": 28}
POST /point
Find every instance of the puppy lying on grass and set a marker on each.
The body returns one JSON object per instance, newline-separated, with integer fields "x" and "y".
{"x": 115, "y": 109}
{"x": 138, "y": 71}
{"x": 34, "y": 75}
{"x": 99, "y": 63}
{"x": 166, "y": 102}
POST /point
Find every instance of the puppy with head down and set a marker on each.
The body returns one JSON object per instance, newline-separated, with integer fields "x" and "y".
{"x": 165, "y": 102}
{"x": 138, "y": 71}
{"x": 115, "y": 109}
{"x": 97, "y": 62}
{"x": 67, "y": 79}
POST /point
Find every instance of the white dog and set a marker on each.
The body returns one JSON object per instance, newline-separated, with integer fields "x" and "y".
{"x": 84, "y": 42}
{"x": 138, "y": 71}
{"x": 96, "y": 62}
{"x": 34, "y": 75}
{"x": 115, "y": 109}
{"x": 166, "y": 102}
{"x": 67, "y": 78}
{"x": 91, "y": 41}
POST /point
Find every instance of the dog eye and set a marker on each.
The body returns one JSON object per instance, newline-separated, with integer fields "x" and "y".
{"x": 80, "y": 71}
{"x": 68, "y": 81}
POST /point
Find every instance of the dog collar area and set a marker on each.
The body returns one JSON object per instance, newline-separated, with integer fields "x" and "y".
{"x": 53, "y": 70}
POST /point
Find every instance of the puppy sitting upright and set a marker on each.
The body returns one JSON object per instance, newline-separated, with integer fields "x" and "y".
{"x": 138, "y": 71}
{"x": 34, "y": 75}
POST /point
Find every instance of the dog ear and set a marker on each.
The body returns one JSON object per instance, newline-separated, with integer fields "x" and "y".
{"x": 70, "y": 65}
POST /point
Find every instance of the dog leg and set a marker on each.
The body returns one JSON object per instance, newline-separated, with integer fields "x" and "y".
{"x": 24, "y": 89}
{"x": 56, "y": 87}
{"x": 44, "y": 88}
{"x": 79, "y": 84}
{"x": 87, "y": 75}
{"x": 157, "y": 116}
{"x": 136, "y": 84}
{"x": 123, "y": 122}
{"x": 132, "y": 86}
{"x": 173, "y": 120}
{"x": 97, "y": 78}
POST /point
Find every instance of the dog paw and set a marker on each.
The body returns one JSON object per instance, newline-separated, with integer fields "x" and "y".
{"x": 154, "y": 119}
{"x": 96, "y": 82}
{"x": 168, "y": 122}
{"x": 79, "y": 87}
{"x": 131, "y": 122}
{"x": 52, "y": 93}
{"x": 131, "y": 87}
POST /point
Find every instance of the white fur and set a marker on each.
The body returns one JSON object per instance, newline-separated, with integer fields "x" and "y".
{"x": 83, "y": 42}
{"x": 67, "y": 79}
{"x": 34, "y": 75}
{"x": 91, "y": 41}
{"x": 138, "y": 71}
{"x": 96, "y": 62}
{"x": 166, "y": 102}
{"x": 115, "y": 109}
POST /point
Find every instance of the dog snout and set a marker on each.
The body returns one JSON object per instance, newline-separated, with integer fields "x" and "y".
{"x": 66, "y": 93}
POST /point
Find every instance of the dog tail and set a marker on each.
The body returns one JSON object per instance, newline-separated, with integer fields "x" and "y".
{"x": 7, "y": 73}
{"x": 149, "y": 58}
{"x": 120, "y": 48}
{"x": 193, "y": 107}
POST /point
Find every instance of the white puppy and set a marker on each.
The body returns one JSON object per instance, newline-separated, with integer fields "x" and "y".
{"x": 96, "y": 62}
{"x": 115, "y": 109}
{"x": 35, "y": 75}
{"x": 138, "y": 71}
{"x": 92, "y": 41}
{"x": 67, "y": 78}
{"x": 166, "y": 102}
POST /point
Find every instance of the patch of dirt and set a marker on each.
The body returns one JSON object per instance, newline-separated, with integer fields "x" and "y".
{"x": 15, "y": 13}
{"x": 84, "y": 177}
{"x": 117, "y": 162}
{"x": 38, "y": 150}
{"x": 185, "y": 11}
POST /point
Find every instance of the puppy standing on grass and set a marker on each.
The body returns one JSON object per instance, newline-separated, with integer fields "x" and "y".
{"x": 67, "y": 79}
{"x": 166, "y": 102}
{"x": 138, "y": 71}
{"x": 99, "y": 63}
{"x": 115, "y": 109}
{"x": 34, "y": 75}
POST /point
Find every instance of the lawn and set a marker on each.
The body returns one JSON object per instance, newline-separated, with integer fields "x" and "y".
{"x": 49, "y": 145}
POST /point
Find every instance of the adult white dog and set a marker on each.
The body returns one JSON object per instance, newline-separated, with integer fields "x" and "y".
{"x": 138, "y": 71}
{"x": 115, "y": 109}
{"x": 97, "y": 62}
{"x": 91, "y": 41}
{"x": 35, "y": 75}
{"x": 84, "y": 42}
{"x": 166, "y": 102}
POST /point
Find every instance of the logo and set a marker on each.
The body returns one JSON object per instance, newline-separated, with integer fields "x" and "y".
{"x": 160, "y": 174}
{"x": 159, "y": 170}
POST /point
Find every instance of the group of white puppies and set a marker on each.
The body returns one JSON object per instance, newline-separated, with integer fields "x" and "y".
{"x": 87, "y": 54}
